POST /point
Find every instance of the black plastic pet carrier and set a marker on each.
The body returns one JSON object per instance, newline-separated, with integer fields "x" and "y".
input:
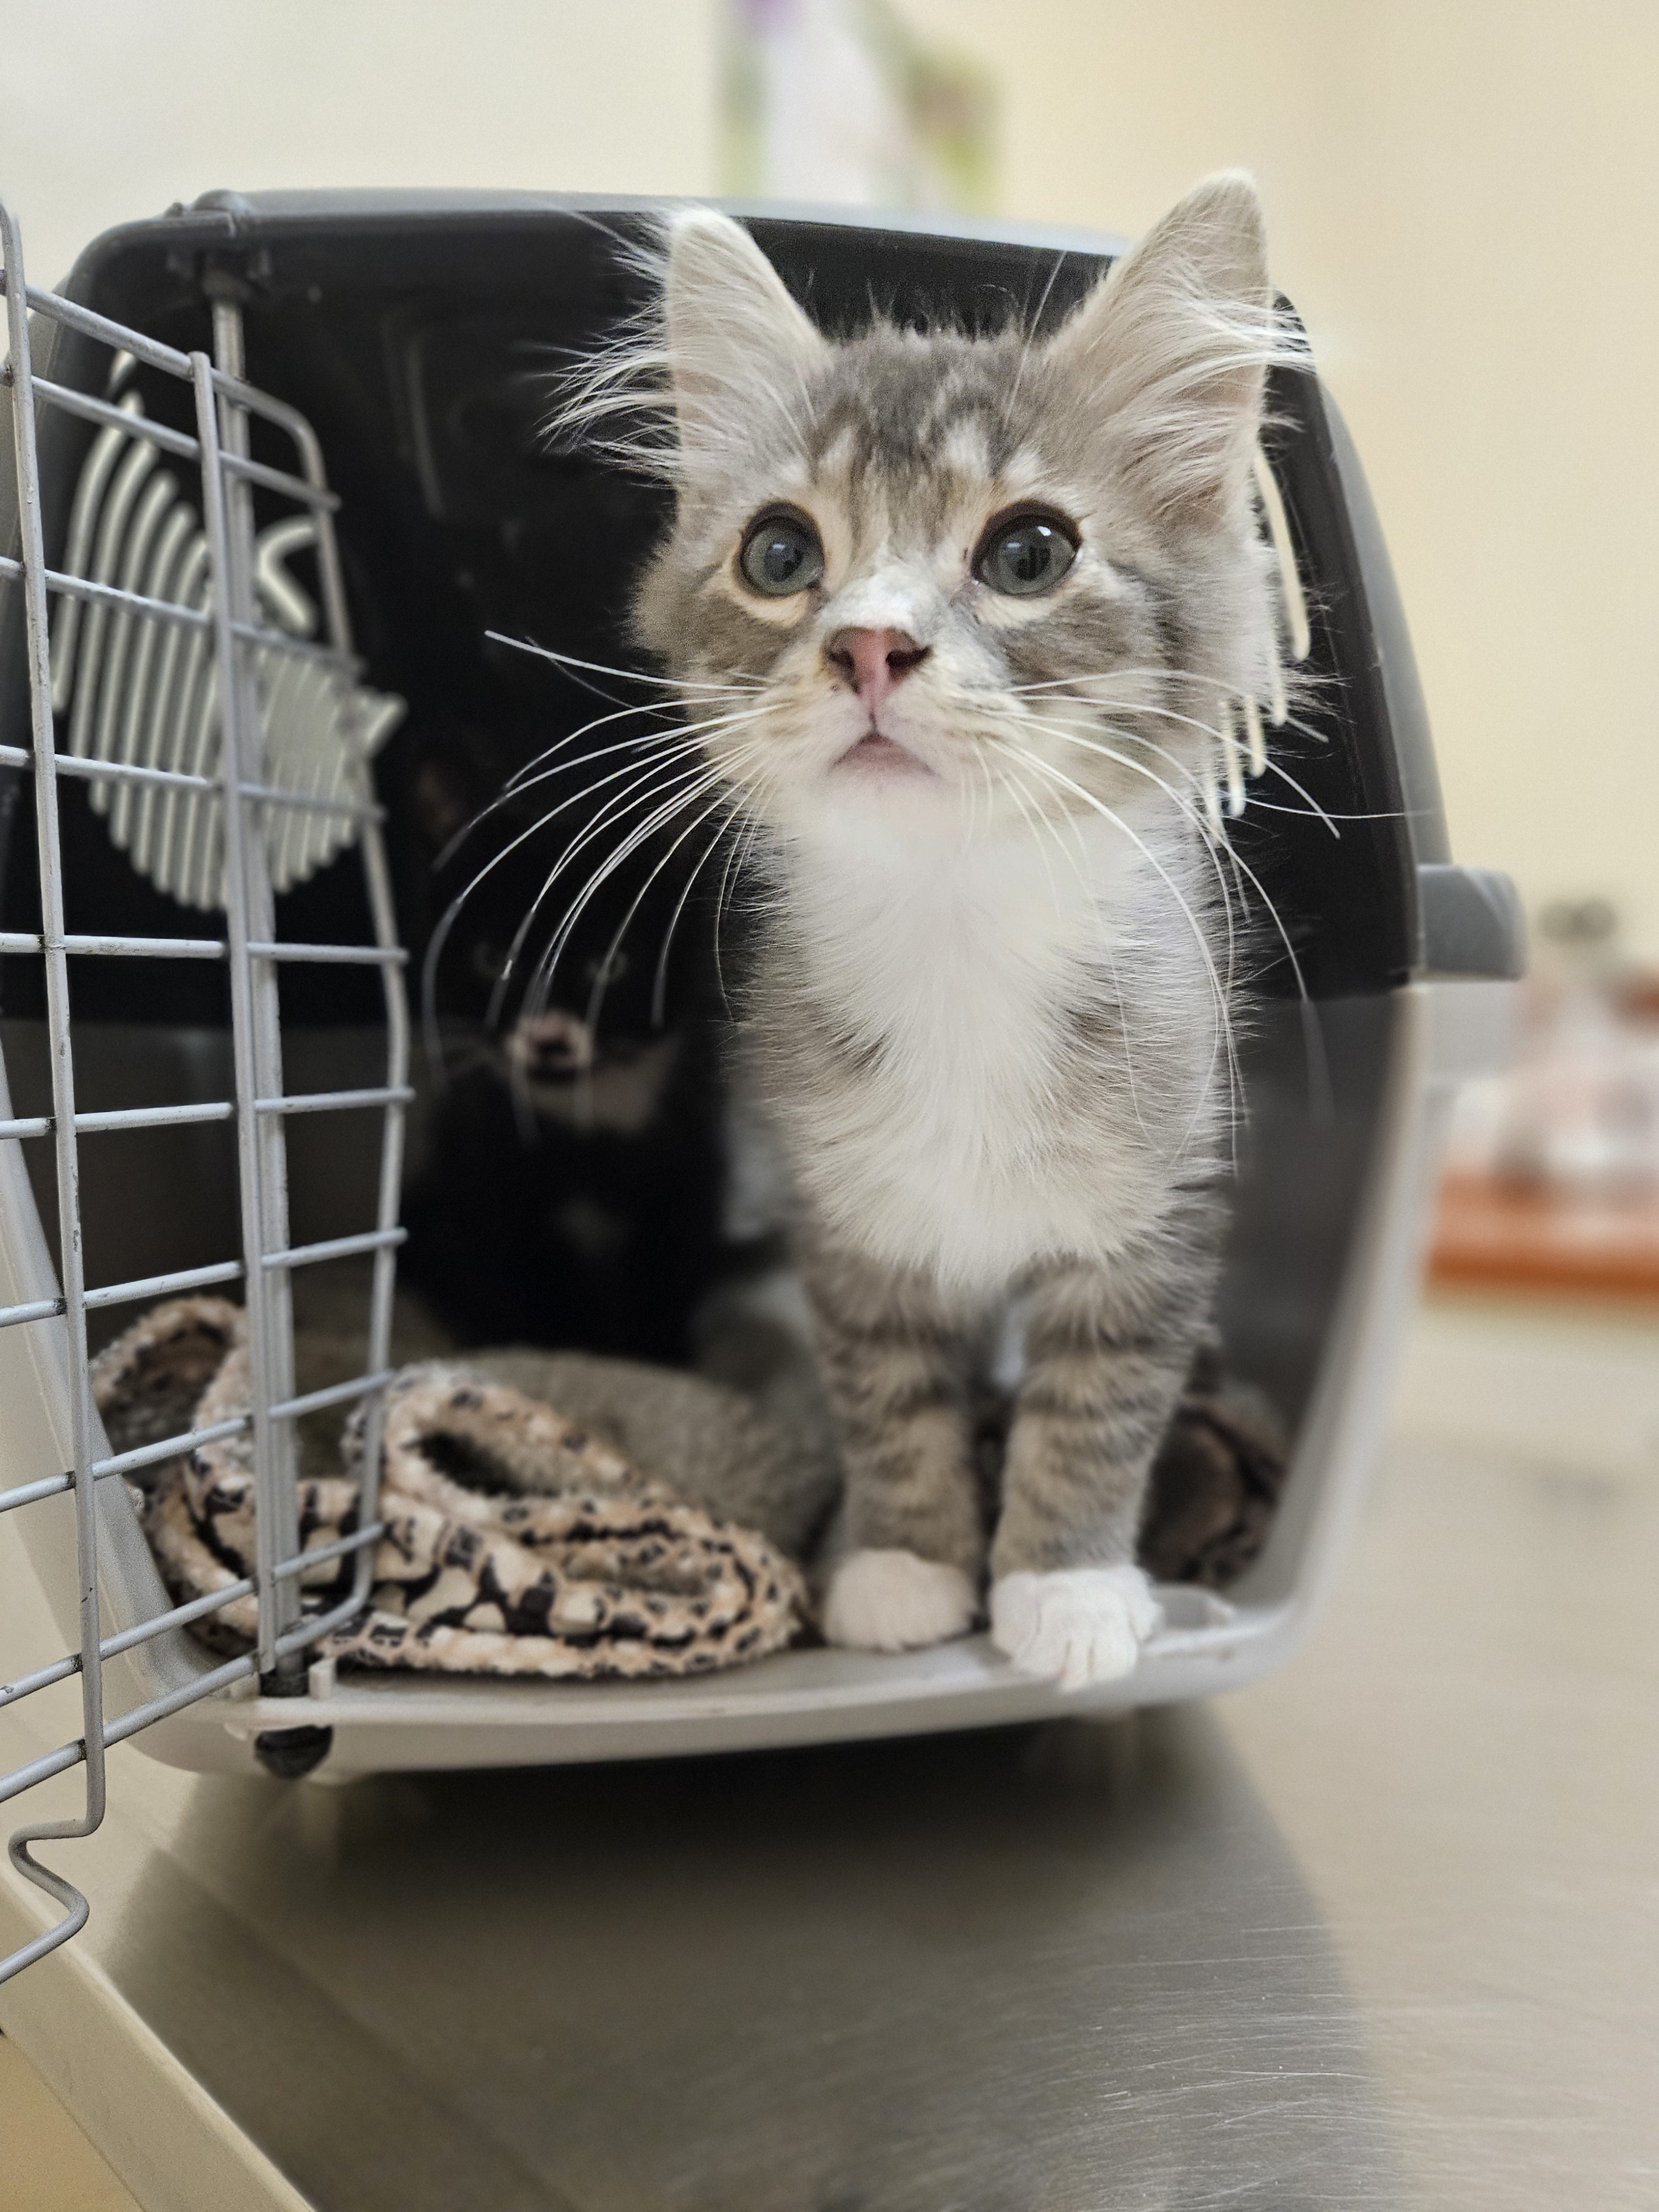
{"x": 246, "y": 705}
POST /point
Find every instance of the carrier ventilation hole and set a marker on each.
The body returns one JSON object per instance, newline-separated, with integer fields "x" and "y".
{"x": 140, "y": 690}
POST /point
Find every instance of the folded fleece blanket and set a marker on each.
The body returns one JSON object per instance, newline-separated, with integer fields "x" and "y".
{"x": 513, "y": 1542}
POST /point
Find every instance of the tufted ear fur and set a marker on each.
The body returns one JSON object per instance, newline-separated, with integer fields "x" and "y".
{"x": 738, "y": 346}
{"x": 1171, "y": 348}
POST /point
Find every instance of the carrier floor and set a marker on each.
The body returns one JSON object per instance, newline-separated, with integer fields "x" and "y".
{"x": 403, "y": 1723}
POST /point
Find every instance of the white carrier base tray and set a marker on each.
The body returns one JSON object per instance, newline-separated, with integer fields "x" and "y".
{"x": 404, "y": 1721}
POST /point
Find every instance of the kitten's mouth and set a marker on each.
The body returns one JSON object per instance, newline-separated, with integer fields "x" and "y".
{"x": 875, "y": 755}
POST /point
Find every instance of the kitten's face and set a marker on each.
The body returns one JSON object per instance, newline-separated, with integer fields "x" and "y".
{"x": 943, "y": 584}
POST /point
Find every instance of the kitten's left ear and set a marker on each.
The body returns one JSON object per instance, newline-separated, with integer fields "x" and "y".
{"x": 737, "y": 344}
{"x": 1172, "y": 347}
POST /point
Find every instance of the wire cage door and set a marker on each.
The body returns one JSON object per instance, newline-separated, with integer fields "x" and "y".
{"x": 228, "y": 753}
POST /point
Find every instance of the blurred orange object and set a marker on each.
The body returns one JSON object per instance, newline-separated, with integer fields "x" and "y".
{"x": 1495, "y": 1233}
{"x": 1552, "y": 1177}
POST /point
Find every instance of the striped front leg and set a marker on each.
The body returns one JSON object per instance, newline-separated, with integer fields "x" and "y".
{"x": 895, "y": 1361}
{"x": 1106, "y": 1350}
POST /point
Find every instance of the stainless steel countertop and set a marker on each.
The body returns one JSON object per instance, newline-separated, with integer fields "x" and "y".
{"x": 1381, "y": 1931}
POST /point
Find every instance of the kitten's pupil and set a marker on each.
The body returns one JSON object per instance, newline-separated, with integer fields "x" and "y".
{"x": 1030, "y": 556}
{"x": 781, "y": 557}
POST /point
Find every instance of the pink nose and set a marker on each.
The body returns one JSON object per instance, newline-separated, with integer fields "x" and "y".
{"x": 873, "y": 662}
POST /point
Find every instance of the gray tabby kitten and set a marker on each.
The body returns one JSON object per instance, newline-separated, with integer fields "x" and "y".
{"x": 952, "y": 618}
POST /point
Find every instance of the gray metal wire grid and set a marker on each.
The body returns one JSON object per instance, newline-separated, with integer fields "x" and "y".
{"x": 245, "y": 666}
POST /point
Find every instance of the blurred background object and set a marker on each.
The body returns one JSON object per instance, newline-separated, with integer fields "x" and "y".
{"x": 844, "y": 100}
{"x": 1552, "y": 1170}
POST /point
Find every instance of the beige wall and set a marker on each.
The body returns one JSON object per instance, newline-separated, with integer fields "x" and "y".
{"x": 1464, "y": 199}
{"x": 113, "y": 108}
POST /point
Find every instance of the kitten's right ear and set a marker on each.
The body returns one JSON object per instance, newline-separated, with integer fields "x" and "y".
{"x": 737, "y": 344}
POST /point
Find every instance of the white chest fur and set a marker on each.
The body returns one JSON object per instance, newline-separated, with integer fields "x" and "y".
{"x": 966, "y": 1130}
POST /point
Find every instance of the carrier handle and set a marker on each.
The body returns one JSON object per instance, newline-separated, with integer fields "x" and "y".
{"x": 1471, "y": 921}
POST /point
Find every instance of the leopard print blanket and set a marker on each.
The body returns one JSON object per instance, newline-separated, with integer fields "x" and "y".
{"x": 513, "y": 1542}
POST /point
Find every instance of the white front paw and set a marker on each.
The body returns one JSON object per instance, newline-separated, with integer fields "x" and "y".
{"x": 1080, "y": 1626}
{"x": 894, "y": 1602}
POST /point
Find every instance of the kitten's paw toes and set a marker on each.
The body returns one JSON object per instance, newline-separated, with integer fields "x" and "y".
{"x": 894, "y": 1602}
{"x": 1081, "y": 1626}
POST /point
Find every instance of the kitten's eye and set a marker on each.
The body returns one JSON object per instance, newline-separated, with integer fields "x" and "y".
{"x": 781, "y": 555}
{"x": 1027, "y": 555}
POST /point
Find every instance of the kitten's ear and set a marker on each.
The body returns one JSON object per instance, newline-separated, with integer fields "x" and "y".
{"x": 738, "y": 343}
{"x": 1172, "y": 347}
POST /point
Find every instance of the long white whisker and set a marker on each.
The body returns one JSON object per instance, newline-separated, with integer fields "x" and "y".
{"x": 1034, "y": 822}
{"x": 694, "y": 782}
{"x": 542, "y": 981}
{"x": 1318, "y": 1070}
{"x": 1269, "y": 764}
{"x": 990, "y": 797}
{"x": 1235, "y": 857}
{"x": 747, "y": 687}
{"x": 1030, "y": 336}
{"x": 597, "y": 998}
{"x": 737, "y": 860}
{"x": 1196, "y": 722}
{"x": 1223, "y": 1038}
{"x": 540, "y": 988}
{"x": 1313, "y": 810}
{"x": 1138, "y": 768}
{"x": 682, "y": 733}
{"x": 520, "y": 775}
{"x": 1129, "y": 673}
{"x": 1077, "y": 860}
{"x": 659, "y": 981}
{"x": 1194, "y": 813}
{"x": 546, "y": 968}
{"x": 1224, "y": 1030}
{"x": 619, "y": 802}
{"x": 660, "y": 750}
{"x": 441, "y": 935}
{"x": 510, "y": 788}
{"x": 645, "y": 791}
{"x": 657, "y": 744}
{"x": 966, "y": 804}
